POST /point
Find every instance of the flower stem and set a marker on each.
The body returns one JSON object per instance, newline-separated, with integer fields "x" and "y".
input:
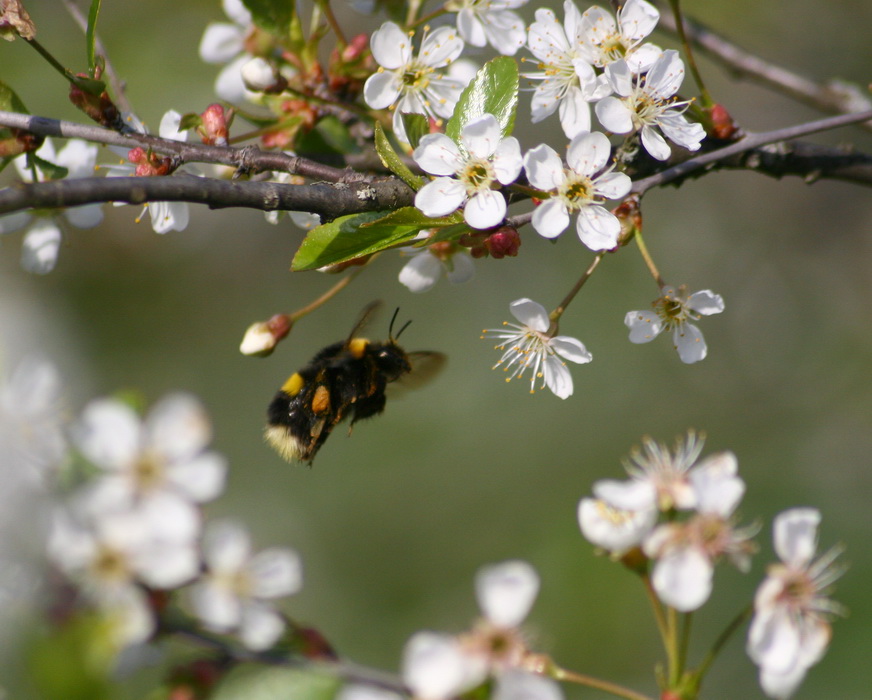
{"x": 649, "y": 261}
{"x": 657, "y": 608}
{"x": 325, "y": 297}
{"x": 438, "y": 12}
{"x": 688, "y": 54}
{"x": 723, "y": 638}
{"x": 561, "y": 674}
{"x": 558, "y": 312}
{"x": 52, "y": 61}
{"x": 334, "y": 24}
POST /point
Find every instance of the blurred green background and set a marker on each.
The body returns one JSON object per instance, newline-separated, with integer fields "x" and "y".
{"x": 393, "y": 522}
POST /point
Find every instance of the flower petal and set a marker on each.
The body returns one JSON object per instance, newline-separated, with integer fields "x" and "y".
{"x": 531, "y": 314}
{"x": 506, "y": 592}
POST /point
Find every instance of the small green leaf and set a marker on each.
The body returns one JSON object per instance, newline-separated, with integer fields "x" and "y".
{"x": 49, "y": 170}
{"x": 493, "y": 91}
{"x": 393, "y": 162}
{"x": 276, "y": 683}
{"x": 416, "y": 125}
{"x": 91, "y": 34}
{"x": 191, "y": 120}
{"x": 9, "y": 100}
{"x": 274, "y": 16}
{"x": 355, "y": 235}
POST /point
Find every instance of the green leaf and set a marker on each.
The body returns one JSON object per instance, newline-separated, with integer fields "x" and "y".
{"x": 393, "y": 162}
{"x": 191, "y": 120}
{"x": 274, "y": 16}
{"x": 276, "y": 683}
{"x": 49, "y": 170}
{"x": 336, "y": 136}
{"x": 352, "y": 236}
{"x": 493, "y": 91}
{"x": 91, "y": 34}
{"x": 9, "y": 100}
{"x": 416, "y": 125}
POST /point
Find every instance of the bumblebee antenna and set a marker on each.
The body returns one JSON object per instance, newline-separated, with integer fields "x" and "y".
{"x": 391, "y": 327}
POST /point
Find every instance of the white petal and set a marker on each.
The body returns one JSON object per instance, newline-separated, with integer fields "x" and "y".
{"x": 505, "y": 30}
{"x": 706, "y": 302}
{"x": 461, "y": 268}
{"x": 613, "y": 529}
{"x": 391, "y": 47}
{"x": 421, "y": 272}
{"x": 574, "y": 113}
{"x": 78, "y": 157}
{"x": 716, "y": 493}
{"x": 438, "y": 155}
{"x": 557, "y": 377}
{"x": 215, "y": 605}
{"x": 621, "y": 79}
{"x": 109, "y": 434}
{"x": 515, "y": 684}
{"x": 627, "y": 495}
{"x": 795, "y": 535}
{"x": 679, "y": 130}
{"x": 689, "y": 342}
{"x": 40, "y": 246}
{"x": 531, "y": 314}
{"x": 178, "y": 427}
{"x": 261, "y": 626}
{"x": 588, "y": 153}
{"x": 643, "y": 57}
{"x": 236, "y": 10}
{"x": 201, "y": 479}
{"x": 380, "y": 90}
{"x": 544, "y": 168}
{"x": 275, "y": 573}
{"x": 774, "y": 640}
{"x": 550, "y": 218}
{"x": 614, "y": 115}
{"x": 683, "y": 578}
{"x": 644, "y": 325}
{"x": 571, "y": 349}
{"x": 440, "y": 47}
{"x": 481, "y": 136}
{"x": 506, "y": 592}
{"x": 485, "y": 209}
{"x": 435, "y": 667}
{"x": 226, "y": 546}
{"x": 471, "y": 28}
{"x": 169, "y": 126}
{"x": 655, "y": 144}
{"x": 440, "y": 197}
{"x": 221, "y": 42}
{"x": 507, "y": 160}
{"x": 229, "y": 84}
{"x": 87, "y": 216}
{"x": 598, "y": 228}
{"x": 613, "y": 185}
{"x": 167, "y": 565}
{"x": 665, "y": 76}
{"x": 637, "y": 19}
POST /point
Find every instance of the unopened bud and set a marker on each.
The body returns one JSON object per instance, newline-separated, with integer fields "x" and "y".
{"x": 262, "y": 337}
{"x": 504, "y": 241}
{"x": 355, "y": 48}
{"x": 213, "y": 128}
{"x": 630, "y": 216}
{"x": 723, "y": 126}
{"x": 99, "y": 107}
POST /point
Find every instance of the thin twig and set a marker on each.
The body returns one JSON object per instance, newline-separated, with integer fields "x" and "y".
{"x": 832, "y": 96}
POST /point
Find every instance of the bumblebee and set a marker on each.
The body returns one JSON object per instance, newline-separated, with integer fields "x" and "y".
{"x": 347, "y": 378}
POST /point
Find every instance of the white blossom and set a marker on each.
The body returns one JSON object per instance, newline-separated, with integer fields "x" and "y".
{"x": 791, "y": 630}
{"x": 685, "y": 552}
{"x": 482, "y": 22}
{"x": 578, "y": 189}
{"x": 605, "y": 40}
{"x": 223, "y": 43}
{"x": 468, "y": 171}
{"x": 648, "y": 105}
{"x": 674, "y": 311}
{"x": 435, "y": 667}
{"x": 412, "y": 84}
{"x": 530, "y": 345}
{"x": 427, "y": 265}
{"x": 41, "y": 242}
{"x": 234, "y": 593}
{"x": 159, "y": 466}
{"x": 568, "y": 80}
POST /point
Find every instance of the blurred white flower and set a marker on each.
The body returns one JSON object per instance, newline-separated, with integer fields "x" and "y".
{"x": 685, "y": 552}
{"x": 674, "y": 311}
{"x": 232, "y": 594}
{"x": 41, "y": 242}
{"x": 468, "y": 172}
{"x": 411, "y": 84}
{"x": 790, "y": 631}
{"x": 482, "y": 22}
{"x": 223, "y": 43}
{"x": 580, "y": 188}
{"x": 158, "y": 466}
{"x": 435, "y": 667}
{"x": 426, "y": 265}
{"x": 568, "y": 81}
{"x": 528, "y": 345}
{"x": 648, "y": 104}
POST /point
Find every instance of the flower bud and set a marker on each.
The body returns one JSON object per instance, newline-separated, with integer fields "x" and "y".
{"x": 258, "y": 75}
{"x": 99, "y": 107}
{"x": 213, "y": 129}
{"x": 504, "y": 241}
{"x": 262, "y": 337}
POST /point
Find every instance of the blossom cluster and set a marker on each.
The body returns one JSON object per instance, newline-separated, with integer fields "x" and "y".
{"x": 697, "y": 501}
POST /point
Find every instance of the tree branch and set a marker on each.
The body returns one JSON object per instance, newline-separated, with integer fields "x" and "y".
{"x": 327, "y": 200}
{"x": 833, "y": 96}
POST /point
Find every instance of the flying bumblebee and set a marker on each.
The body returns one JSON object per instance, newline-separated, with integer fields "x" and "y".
{"x": 347, "y": 378}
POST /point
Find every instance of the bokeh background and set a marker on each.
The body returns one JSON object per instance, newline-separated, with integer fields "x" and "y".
{"x": 393, "y": 522}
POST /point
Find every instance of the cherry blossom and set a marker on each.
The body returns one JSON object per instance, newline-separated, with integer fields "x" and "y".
{"x": 606, "y": 39}
{"x": 482, "y": 22}
{"x": 674, "y": 311}
{"x": 579, "y": 189}
{"x": 528, "y": 345}
{"x": 790, "y": 631}
{"x": 468, "y": 172}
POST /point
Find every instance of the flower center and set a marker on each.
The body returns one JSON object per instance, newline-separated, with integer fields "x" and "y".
{"x": 110, "y": 565}
{"x": 577, "y": 191}
{"x": 148, "y": 472}
{"x": 477, "y": 175}
{"x": 672, "y": 309}
{"x": 416, "y": 76}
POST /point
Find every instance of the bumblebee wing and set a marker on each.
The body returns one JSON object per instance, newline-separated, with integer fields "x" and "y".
{"x": 366, "y": 316}
{"x": 426, "y": 364}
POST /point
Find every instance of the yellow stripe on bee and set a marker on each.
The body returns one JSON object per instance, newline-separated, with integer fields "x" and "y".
{"x": 357, "y": 347}
{"x": 293, "y": 384}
